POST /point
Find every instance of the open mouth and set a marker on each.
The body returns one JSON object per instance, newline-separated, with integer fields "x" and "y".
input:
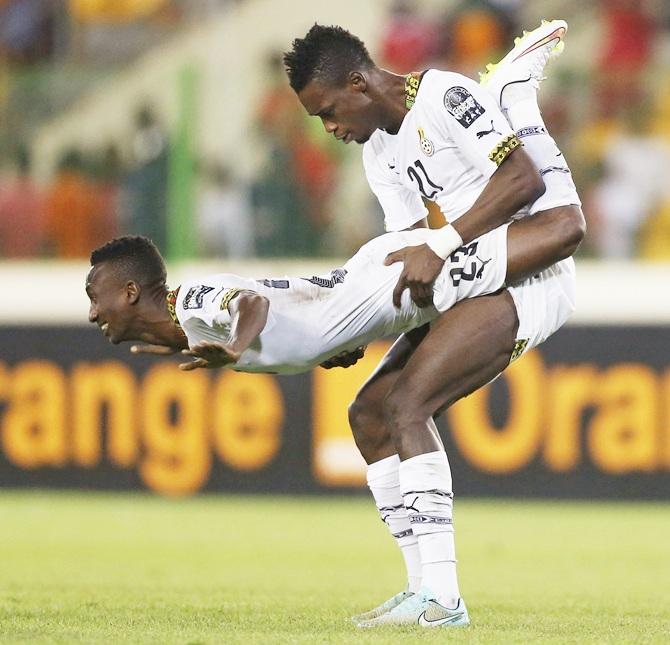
{"x": 104, "y": 328}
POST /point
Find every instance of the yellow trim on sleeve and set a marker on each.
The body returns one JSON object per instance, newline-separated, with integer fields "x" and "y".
{"x": 503, "y": 149}
{"x": 227, "y": 297}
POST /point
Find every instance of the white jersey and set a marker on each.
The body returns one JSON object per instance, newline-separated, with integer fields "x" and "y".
{"x": 448, "y": 146}
{"x": 313, "y": 318}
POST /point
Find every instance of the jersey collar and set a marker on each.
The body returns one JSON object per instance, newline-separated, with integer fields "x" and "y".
{"x": 171, "y": 298}
{"x": 412, "y": 82}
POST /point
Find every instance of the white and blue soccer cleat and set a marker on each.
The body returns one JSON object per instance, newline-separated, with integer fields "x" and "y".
{"x": 520, "y": 71}
{"x": 422, "y": 608}
{"x": 384, "y": 608}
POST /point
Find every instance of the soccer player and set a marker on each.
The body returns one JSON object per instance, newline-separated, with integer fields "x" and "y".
{"x": 291, "y": 325}
{"x": 483, "y": 154}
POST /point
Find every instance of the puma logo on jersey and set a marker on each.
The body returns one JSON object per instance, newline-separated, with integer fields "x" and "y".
{"x": 483, "y": 133}
{"x": 480, "y": 273}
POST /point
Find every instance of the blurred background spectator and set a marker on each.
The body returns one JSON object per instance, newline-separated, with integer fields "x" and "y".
{"x": 21, "y": 211}
{"x": 146, "y": 181}
{"x": 607, "y": 101}
{"x": 26, "y": 30}
{"x": 70, "y": 211}
{"x": 292, "y": 193}
{"x": 225, "y": 219}
{"x": 409, "y": 39}
{"x": 108, "y": 171}
{"x": 629, "y": 36}
{"x": 476, "y": 32}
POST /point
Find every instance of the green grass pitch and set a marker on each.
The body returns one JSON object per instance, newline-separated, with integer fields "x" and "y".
{"x": 104, "y": 568}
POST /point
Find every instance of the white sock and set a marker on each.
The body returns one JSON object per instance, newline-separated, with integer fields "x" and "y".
{"x": 425, "y": 482}
{"x": 525, "y": 118}
{"x": 384, "y": 483}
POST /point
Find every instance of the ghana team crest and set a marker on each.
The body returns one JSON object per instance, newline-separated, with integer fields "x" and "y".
{"x": 427, "y": 146}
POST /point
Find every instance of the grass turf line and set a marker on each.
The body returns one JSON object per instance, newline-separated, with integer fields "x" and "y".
{"x": 105, "y": 568}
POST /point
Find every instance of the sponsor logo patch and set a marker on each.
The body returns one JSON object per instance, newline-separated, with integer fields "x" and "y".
{"x": 462, "y": 105}
{"x": 194, "y": 297}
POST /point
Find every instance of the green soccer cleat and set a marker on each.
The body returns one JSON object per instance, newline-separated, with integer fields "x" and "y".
{"x": 422, "y": 609}
{"x": 384, "y": 608}
{"x": 520, "y": 71}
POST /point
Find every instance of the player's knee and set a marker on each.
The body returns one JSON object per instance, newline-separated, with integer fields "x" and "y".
{"x": 401, "y": 415}
{"x": 367, "y": 424}
{"x": 363, "y": 413}
{"x": 572, "y": 228}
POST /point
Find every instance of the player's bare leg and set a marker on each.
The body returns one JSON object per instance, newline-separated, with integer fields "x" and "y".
{"x": 536, "y": 242}
{"x": 366, "y": 417}
{"x": 465, "y": 348}
{"x": 532, "y": 244}
{"x": 514, "y": 84}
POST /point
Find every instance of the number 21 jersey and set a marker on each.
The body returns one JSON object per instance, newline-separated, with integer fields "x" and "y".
{"x": 449, "y": 144}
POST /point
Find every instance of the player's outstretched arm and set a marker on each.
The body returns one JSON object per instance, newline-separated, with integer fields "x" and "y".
{"x": 513, "y": 185}
{"x": 249, "y": 315}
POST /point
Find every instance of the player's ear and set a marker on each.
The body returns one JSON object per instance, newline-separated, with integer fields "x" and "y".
{"x": 132, "y": 292}
{"x": 358, "y": 82}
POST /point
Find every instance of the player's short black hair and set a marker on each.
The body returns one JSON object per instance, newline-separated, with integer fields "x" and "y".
{"x": 135, "y": 257}
{"x": 327, "y": 54}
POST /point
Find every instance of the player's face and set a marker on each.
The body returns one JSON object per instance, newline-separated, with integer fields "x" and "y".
{"x": 110, "y": 300}
{"x": 346, "y": 112}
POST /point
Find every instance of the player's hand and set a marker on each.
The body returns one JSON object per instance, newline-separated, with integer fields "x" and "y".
{"x": 422, "y": 266}
{"x": 345, "y": 359}
{"x": 209, "y": 356}
{"x": 156, "y": 350}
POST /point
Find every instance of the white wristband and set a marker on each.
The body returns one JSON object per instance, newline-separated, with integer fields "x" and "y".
{"x": 444, "y": 241}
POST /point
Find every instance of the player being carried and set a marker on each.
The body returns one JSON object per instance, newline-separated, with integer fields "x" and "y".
{"x": 290, "y": 325}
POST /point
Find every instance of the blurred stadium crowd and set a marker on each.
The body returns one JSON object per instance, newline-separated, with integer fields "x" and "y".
{"x": 609, "y": 109}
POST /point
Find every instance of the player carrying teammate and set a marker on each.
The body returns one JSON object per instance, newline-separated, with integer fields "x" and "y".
{"x": 440, "y": 136}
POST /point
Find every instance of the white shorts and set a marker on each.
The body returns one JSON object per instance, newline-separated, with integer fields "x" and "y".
{"x": 543, "y": 303}
{"x": 476, "y": 269}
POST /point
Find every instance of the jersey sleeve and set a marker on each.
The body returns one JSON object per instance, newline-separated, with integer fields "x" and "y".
{"x": 208, "y": 300}
{"x": 402, "y": 207}
{"x": 463, "y": 111}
